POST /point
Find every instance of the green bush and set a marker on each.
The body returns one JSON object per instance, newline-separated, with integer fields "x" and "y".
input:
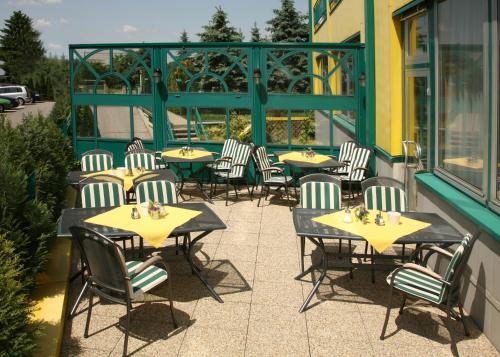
{"x": 16, "y": 331}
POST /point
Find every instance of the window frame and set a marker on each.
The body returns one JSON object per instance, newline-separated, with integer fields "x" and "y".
{"x": 319, "y": 21}
{"x": 495, "y": 107}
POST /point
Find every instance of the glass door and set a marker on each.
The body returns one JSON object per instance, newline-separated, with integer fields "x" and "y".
{"x": 417, "y": 110}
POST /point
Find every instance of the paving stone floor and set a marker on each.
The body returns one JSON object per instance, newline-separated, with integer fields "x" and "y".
{"x": 252, "y": 265}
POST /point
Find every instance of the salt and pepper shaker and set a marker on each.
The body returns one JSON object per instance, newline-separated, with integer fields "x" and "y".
{"x": 379, "y": 220}
{"x": 347, "y": 215}
{"x": 135, "y": 213}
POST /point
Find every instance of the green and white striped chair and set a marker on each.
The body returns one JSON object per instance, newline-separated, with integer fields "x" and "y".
{"x": 358, "y": 168}
{"x": 319, "y": 191}
{"x": 236, "y": 173}
{"x": 96, "y": 162}
{"x": 272, "y": 176}
{"x": 224, "y": 162}
{"x": 144, "y": 160}
{"x": 103, "y": 194}
{"x": 109, "y": 272}
{"x": 420, "y": 281}
{"x": 161, "y": 191}
{"x": 384, "y": 194}
{"x": 345, "y": 157}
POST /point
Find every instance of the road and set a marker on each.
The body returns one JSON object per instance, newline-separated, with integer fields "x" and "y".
{"x": 114, "y": 122}
{"x": 15, "y": 116}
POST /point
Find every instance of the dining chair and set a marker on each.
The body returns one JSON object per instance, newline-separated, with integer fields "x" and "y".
{"x": 272, "y": 176}
{"x": 161, "y": 191}
{"x": 144, "y": 160}
{"x": 96, "y": 162}
{"x": 226, "y": 155}
{"x": 358, "y": 168}
{"x": 345, "y": 157}
{"x": 419, "y": 281}
{"x": 102, "y": 194}
{"x": 113, "y": 279}
{"x": 319, "y": 191}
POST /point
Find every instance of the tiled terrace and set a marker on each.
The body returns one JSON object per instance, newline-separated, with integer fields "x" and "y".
{"x": 252, "y": 265}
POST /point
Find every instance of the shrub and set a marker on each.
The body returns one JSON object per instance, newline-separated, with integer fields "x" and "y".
{"x": 16, "y": 332}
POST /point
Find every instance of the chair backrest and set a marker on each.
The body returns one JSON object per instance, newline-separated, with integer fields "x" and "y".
{"x": 135, "y": 145}
{"x": 325, "y": 193}
{"x": 156, "y": 175}
{"x": 381, "y": 181}
{"x": 229, "y": 147}
{"x": 96, "y": 162}
{"x": 161, "y": 191}
{"x": 98, "y": 151}
{"x": 385, "y": 198}
{"x": 104, "y": 260}
{"x": 103, "y": 194}
{"x": 145, "y": 160}
{"x": 99, "y": 178}
{"x": 360, "y": 159}
{"x": 240, "y": 159}
{"x": 345, "y": 155}
{"x": 262, "y": 161}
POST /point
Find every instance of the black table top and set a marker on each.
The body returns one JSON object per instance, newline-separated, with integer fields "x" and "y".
{"x": 331, "y": 163}
{"x": 178, "y": 160}
{"x": 206, "y": 221}
{"x": 440, "y": 231}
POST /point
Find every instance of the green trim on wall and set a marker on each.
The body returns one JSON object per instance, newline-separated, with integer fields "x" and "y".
{"x": 370, "y": 99}
{"x": 407, "y": 7}
{"x": 379, "y": 152}
{"x": 486, "y": 219}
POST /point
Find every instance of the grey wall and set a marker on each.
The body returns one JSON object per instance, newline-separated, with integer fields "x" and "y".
{"x": 481, "y": 287}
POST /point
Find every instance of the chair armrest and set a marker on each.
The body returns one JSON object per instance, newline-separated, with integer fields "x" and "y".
{"x": 432, "y": 249}
{"x": 357, "y": 169}
{"x": 279, "y": 163}
{"x": 275, "y": 169}
{"x": 332, "y": 156}
{"x": 151, "y": 261}
{"x": 420, "y": 269}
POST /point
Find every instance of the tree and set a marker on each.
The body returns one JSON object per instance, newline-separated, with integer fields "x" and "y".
{"x": 20, "y": 46}
{"x": 219, "y": 30}
{"x": 288, "y": 25}
{"x": 255, "y": 32}
{"x": 184, "y": 37}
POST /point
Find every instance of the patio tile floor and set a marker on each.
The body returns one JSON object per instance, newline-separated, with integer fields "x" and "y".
{"x": 252, "y": 266}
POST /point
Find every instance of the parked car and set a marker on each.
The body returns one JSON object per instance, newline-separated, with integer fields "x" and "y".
{"x": 35, "y": 96}
{"x": 21, "y": 93}
{"x": 4, "y": 104}
{"x": 13, "y": 102}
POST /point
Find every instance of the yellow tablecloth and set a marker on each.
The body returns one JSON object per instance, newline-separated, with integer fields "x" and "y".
{"x": 154, "y": 231}
{"x": 297, "y": 156}
{"x": 195, "y": 154}
{"x": 380, "y": 237}
{"x": 128, "y": 181}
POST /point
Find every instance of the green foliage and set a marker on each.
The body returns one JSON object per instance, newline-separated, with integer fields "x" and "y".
{"x": 20, "y": 47}
{"x": 49, "y": 78}
{"x": 288, "y": 25}
{"x": 184, "y": 37}
{"x": 255, "y": 33}
{"x": 241, "y": 127}
{"x": 16, "y": 331}
{"x": 307, "y": 129}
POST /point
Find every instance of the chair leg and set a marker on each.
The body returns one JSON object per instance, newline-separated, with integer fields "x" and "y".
{"x": 127, "y": 328}
{"x": 366, "y": 251}
{"x": 174, "y": 321}
{"x": 89, "y": 313}
{"x": 227, "y": 191}
{"x": 267, "y": 192}
{"x": 454, "y": 350}
{"x": 462, "y": 317}
{"x": 288, "y": 197}
{"x": 261, "y": 194}
{"x": 402, "y": 306}
{"x": 403, "y": 253}
{"x": 387, "y": 315}
{"x": 250, "y": 193}
{"x": 236, "y": 191}
{"x": 302, "y": 249}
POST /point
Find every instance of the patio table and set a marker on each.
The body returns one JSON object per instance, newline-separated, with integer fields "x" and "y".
{"x": 205, "y": 223}
{"x": 439, "y": 232}
{"x": 175, "y": 157}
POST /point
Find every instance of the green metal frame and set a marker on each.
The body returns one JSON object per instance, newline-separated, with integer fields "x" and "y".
{"x": 184, "y": 66}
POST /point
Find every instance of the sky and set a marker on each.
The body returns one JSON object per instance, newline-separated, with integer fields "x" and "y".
{"x": 64, "y": 22}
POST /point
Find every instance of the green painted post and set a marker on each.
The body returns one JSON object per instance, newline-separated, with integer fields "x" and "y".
{"x": 255, "y": 92}
{"x": 370, "y": 75}
{"x": 158, "y": 105}
{"x": 71, "y": 96}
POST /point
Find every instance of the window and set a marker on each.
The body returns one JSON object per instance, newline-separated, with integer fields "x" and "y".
{"x": 319, "y": 13}
{"x": 323, "y": 67}
{"x": 462, "y": 115}
{"x": 496, "y": 165}
{"x": 333, "y": 4}
{"x": 417, "y": 39}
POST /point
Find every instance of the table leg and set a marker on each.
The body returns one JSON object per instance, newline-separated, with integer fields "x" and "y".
{"x": 324, "y": 267}
{"x": 196, "y": 270}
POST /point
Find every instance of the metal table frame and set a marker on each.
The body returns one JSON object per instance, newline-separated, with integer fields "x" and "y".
{"x": 205, "y": 223}
{"x": 193, "y": 176}
{"x": 440, "y": 232}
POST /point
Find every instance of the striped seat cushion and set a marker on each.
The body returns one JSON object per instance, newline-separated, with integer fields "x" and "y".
{"x": 145, "y": 281}
{"x": 320, "y": 195}
{"x": 96, "y": 162}
{"x": 385, "y": 198}
{"x": 161, "y": 191}
{"x": 418, "y": 284}
{"x": 241, "y": 156}
{"x": 228, "y": 150}
{"x": 145, "y": 160}
{"x": 105, "y": 194}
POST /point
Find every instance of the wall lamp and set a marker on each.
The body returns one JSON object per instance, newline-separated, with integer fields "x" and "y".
{"x": 362, "y": 80}
{"x": 257, "y": 76}
{"x": 157, "y": 75}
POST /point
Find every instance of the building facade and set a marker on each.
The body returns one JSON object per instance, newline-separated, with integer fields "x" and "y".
{"x": 432, "y": 79}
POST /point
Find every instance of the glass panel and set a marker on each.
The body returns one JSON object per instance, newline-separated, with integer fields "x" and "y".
{"x": 177, "y": 124}
{"x": 277, "y": 126}
{"x": 348, "y": 115}
{"x": 84, "y": 121}
{"x": 143, "y": 122}
{"x": 310, "y": 127}
{"x": 113, "y": 122}
{"x": 241, "y": 124}
{"x": 112, "y": 85}
{"x": 208, "y": 124}
{"x": 417, "y": 113}
{"x": 498, "y": 112}
{"x": 462, "y": 115}
{"x": 417, "y": 38}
